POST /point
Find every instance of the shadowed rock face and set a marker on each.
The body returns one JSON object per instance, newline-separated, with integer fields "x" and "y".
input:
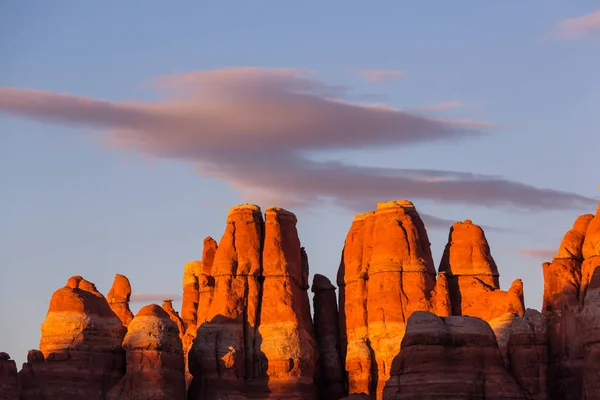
{"x": 9, "y": 389}
{"x": 327, "y": 333}
{"x": 451, "y": 358}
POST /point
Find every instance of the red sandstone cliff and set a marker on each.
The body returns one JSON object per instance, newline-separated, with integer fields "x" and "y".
{"x": 400, "y": 330}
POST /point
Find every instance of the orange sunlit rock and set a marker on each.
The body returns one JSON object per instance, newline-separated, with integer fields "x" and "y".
{"x": 232, "y": 317}
{"x": 388, "y": 275}
{"x": 118, "y": 298}
{"x": 81, "y": 354}
{"x": 473, "y": 276}
{"x": 285, "y": 326}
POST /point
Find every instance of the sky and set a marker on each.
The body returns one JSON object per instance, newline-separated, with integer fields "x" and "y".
{"x": 128, "y": 129}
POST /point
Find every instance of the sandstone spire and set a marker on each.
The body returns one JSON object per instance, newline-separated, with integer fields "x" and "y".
{"x": 473, "y": 276}
{"x": 81, "y": 353}
{"x": 118, "y": 299}
{"x": 327, "y": 333}
{"x": 231, "y": 320}
{"x": 154, "y": 357}
{"x": 285, "y": 315}
{"x": 388, "y": 274}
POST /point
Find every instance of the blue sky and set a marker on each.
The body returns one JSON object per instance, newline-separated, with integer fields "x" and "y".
{"x": 109, "y": 167}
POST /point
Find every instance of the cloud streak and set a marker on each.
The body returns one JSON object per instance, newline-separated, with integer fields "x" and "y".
{"x": 381, "y": 75}
{"x": 542, "y": 254}
{"x": 448, "y": 105}
{"x": 256, "y": 128}
{"x": 579, "y": 27}
{"x": 154, "y": 297}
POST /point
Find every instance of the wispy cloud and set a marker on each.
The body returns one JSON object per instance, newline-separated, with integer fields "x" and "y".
{"x": 154, "y": 297}
{"x": 575, "y": 28}
{"x": 449, "y": 105}
{"x": 381, "y": 75}
{"x": 542, "y": 254}
{"x": 254, "y": 128}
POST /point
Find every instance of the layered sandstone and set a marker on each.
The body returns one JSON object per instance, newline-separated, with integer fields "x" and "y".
{"x": 167, "y": 306}
{"x": 388, "y": 275}
{"x": 198, "y": 289}
{"x": 118, "y": 298}
{"x": 257, "y": 338}
{"x": 561, "y": 307}
{"x": 590, "y": 321}
{"x": 473, "y": 276}
{"x": 81, "y": 354}
{"x": 230, "y": 330}
{"x": 327, "y": 334}
{"x": 155, "y": 367}
{"x": 9, "y": 388}
{"x": 285, "y": 325}
{"x": 451, "y": 358}
{"x": 191, "y": 286}
{"x": 527, "y": 348}
{"x": 591, "y": 253}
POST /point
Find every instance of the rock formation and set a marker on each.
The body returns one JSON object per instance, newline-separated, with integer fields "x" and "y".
{"x": 590, "y": 322}
{"x": 191, "y": 287}
{"x": 198, "y": 289}
{"x": 473, "y": 276}
{"x": 258, "y": 334}
{"x": 327, "y": 332}
{"x": 81, "y": 354}
{"x": 285, "y": 324}
{"x": 400, "y": 331}
{"x": 388, "y": 275}
{"x": 528, "y": 353}
{"x": 9, "y": 388}
{"x": 118, "y": 299}
{"x": 451, "y": 358}
{"x": 155, "y": 368}
{"x": 167, "y": 306}
{"x": 565, "y": 286}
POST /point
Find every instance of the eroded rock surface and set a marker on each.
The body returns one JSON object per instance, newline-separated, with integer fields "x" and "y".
{"x": 388, "y": 275}
{"x": 118, "y": 298}
{"x": 9, "y": 388}
{"x": 327, "y": 333}
{"x": 81, "y": 355}
{"x": 155, "y": 367}
{"x": 451, "y": 358}
{"x": 473, "y": 276}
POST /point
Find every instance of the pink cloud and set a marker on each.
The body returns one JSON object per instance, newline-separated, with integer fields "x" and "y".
{"x": 449, "y": 105}
{"x": 381, "y": 75}
{"x": 154, "y": 297}
{"x": 543, "y": 254}
{"x": 255, "y": 129}
{"x": 575, "y": 28}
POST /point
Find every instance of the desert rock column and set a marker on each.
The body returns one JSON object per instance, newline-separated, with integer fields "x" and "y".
{"x": 231, "y": 320}
{"x": 388, "y": 274}
{"x": 473, "y": 276}
{"x": 285, "y": 330}
{"x": 118, "y": 299}
{"x": 327, "y": 333}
